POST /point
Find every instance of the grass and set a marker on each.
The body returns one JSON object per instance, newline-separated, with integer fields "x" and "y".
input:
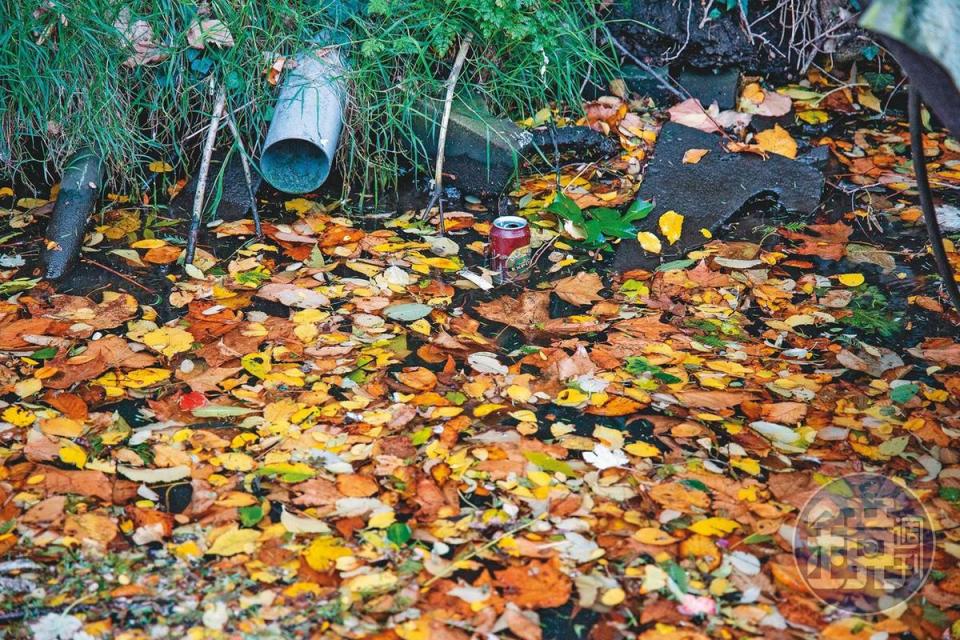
{"x": 64, "y": 85}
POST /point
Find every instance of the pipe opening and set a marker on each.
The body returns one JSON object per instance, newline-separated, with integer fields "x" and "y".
{"x": 294, "y": 165}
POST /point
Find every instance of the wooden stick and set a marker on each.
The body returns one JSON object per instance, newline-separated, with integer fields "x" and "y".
{"x": 202, "y": 179}
{"x": 444, "y": 124}
{"x": 246, "y": 174}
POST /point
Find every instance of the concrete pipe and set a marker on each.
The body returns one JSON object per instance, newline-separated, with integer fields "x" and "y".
{"x": 303, "y": 135}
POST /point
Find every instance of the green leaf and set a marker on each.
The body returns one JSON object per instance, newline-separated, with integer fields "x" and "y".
{"x": 15, "y": 286}
{"x": 638, "y": 365}
{"x": 399, "y": 533}
{"x": 44, "y": 354}
{"x": 903, "y": 393}
{"x": 639, "y": 210}
{"x": 675, "y": 265}
{"x": 894, "y": 446}
{"x": 547, "y": 463}
{"x": 594, "y": 232}
{"x": 677, "y": 574}
{"x": 566, "y": 208}
{"x": 950, "y": 494}
{"x": 250, "y": 516}
{"x": 695, "y": 484}
{"x": 757, "y": 538}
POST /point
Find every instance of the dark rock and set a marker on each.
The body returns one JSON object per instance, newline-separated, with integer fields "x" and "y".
{"x": 235, "y": 199}
{"x": 711, "y": 191}
{"x": 482, "y": 152}
{"x": 709, "y": 87}
{"x": 586, "y": 144}
{"x": 669, "y": 32}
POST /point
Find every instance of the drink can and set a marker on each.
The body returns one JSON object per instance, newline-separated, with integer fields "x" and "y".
{"x": 510, "y": 248}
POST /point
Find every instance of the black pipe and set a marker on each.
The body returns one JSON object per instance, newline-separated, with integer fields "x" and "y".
{"x": 926, "y": 199}
{"x": 79, "y": 191}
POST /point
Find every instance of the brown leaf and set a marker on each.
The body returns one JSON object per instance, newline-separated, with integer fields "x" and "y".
{"x": 538, "y": 585}
{"x": 523, "y": 312}
{"x": 580, "y": 289}
{"x": 354, "y": 485}
{"x": 69, "y": 404}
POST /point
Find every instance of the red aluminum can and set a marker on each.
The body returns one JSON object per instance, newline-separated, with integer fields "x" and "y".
{"x": 510, "y": 248}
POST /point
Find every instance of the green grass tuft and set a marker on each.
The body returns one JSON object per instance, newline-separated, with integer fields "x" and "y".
{"x": 63, "y": 82}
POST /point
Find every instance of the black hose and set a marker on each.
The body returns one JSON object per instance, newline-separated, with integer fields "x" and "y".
{"x": 926, "y": 200}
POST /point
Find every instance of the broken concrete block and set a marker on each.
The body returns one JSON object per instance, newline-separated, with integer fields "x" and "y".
{"x": 482, "y": 151}
{"x": 711, "y": 191}
{"x": 235, "y": 198}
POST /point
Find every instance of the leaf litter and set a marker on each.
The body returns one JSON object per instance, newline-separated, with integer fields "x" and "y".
{"x": 339, "y": 436}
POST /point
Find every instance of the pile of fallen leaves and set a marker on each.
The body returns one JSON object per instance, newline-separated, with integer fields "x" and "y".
{"x": 344, "y": 433}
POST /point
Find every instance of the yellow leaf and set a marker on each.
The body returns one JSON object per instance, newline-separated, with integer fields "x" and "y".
{"x": 729, "y": 367}
{"x": 6, "y": 192}
{"x": 148, "y": 243}
{"x": 143, "y": 378}
{"x": 421, "y": 326}
{"x": 714, "y": 526}
{"x": 851, "y": 279}
{"x": 73, "y": 454}
{"x": 28, "y": 387}
{"x": 671, "y": 224}
{"x": 487, "y": 409}
{"x": 371, "y": 582}
{"x": 778, "y": 141}
{"x": 257, "y": 364}
{"x": 866, "y": 98}
{"x": 236, "y": 461}
{"x": 570, "y": 398}
{"x": 323, "y": 552}
{"x": 814, "y": 116}
{"x": 693, "y": 156}
{"x": 169, "y": 340}
{"x": 189, "y": 550}
{"x": 654, "y": 536}
{"x": 235, "y": 541}
{"x": 382, "y": 519}
{"x": 301, "y": 206}
{"x": 159, "y": 166}
{"x": 749, "y": 465}
{"x": 642, "y": 450}
{"x": 63, "y": 427}
{"x": 649, "y": 242}
{"x": 753, "y": 93}
{"x": 18, "y": 416}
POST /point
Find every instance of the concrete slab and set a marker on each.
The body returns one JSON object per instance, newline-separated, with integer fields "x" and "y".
{"x": 482, "y": 151}
{"x": 710, "y": 192}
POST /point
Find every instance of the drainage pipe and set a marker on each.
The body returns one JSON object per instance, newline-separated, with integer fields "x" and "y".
{"x": 79, "y": 192}
{"x": 302, "y": 140}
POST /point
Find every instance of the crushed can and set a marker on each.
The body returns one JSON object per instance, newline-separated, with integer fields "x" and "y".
{"x": 510, "y": 251}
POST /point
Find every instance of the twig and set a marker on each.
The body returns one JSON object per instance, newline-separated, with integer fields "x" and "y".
{"x": 450, "y": 568}
{"x": 246, "y": 174}
{"x": 444, "y": 123}
{"x": 202, "y": 179}
{"x": 926, "y": 199}
{"x": 116, "y": 273}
